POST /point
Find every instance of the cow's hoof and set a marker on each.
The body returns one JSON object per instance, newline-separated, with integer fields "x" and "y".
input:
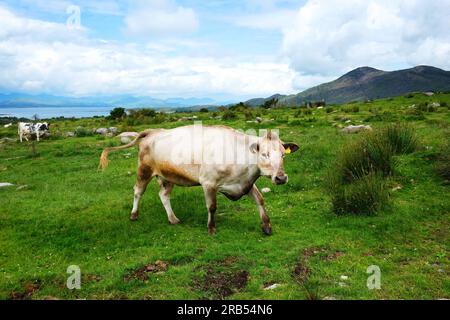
{"x": 267, "y": 230}
{"x": 174, "y": 221}
{"x": 212, "y": 231}
{"x": 134, "y": 217}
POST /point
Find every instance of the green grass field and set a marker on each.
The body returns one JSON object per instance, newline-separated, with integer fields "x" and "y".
{"x": 68, "y": 213}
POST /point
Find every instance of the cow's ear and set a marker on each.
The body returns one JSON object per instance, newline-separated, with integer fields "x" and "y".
{"x": 254, "y": 147}
{"x": 290, "y": 147}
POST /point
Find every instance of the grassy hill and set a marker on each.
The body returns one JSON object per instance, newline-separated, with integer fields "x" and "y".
{"x": 67, "y": 213}
{"x": 368, "y": 84}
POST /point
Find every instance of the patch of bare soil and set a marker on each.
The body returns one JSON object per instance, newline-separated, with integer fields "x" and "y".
{"x": 142, "y": 273}
{"x": 92, "y": 278}
{"x": 301, "y": 271}
{"x": 27, "y": 293}
{"x": 333, "y": 255}
{"x": 221, "y": 278}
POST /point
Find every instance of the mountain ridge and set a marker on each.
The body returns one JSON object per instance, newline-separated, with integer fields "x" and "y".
{"x": 366, "y": 83}
{"x": 14, "y": 99}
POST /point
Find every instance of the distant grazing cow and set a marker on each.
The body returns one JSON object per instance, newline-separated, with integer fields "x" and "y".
{"x": 26, "y": 130}
{"x": 218, "y": 158}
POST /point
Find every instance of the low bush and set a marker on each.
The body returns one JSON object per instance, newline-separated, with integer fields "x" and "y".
{"x": 355, "y": 180}
{"x": 363, "y": 197}
{"x": 118, "y": 113}
{"x": 414, "y": 114}
{"x": 401, "y": 138}
{"x": 351, "y": 109}
{"x": 248, "y": 115}
{"x": 229, "y": 115}
{"x": 363, "y": 157}
{"x": 83, "y": 132}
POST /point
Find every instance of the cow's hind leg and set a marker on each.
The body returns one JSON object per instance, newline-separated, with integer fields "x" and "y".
{"x": 164, "y": 195}
{"x": 144, "y": 175}
{"x": 257, "y": 196}
{"x": 211, "y": 205}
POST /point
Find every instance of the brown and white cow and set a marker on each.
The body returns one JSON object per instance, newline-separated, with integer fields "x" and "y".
{"x": 218, "y": 158}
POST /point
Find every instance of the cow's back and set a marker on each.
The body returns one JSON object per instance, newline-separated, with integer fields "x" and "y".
{"x": 193, "y": 154}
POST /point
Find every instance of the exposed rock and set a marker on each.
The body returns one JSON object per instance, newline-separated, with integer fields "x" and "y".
{"x": 265, "y": 190}
{"x": 127, "y": 137}
{"x": 429, "y": 93}
{"x": 356, "y": 129}
{"x": 113, "y": 130}
{"x": 69, "y": 134}
{"x": 434, "y": 105}
{"x": 7, "y": 125}
{"x": 187, "y": 118}
{"x": 102, "y": 131}
{"x": 5, "y": 184}
{"x": 258, "y": 119}
{"x": 272, "y": 286}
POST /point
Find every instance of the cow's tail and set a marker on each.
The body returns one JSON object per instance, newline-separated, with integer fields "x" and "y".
{"x": 104, "y": 157}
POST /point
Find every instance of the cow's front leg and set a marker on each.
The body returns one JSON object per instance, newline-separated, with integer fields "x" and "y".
{"x": 164, "y": 195}
{"x": 257, "y": 196}
{"x": 211, "y": 205}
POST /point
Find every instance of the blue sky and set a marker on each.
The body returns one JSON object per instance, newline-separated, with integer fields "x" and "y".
{"x": 227, "y": 50}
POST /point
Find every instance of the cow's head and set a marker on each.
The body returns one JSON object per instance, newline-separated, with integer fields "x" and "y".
{"x": 271, "y": 151}
{"x": 44, "y": 126}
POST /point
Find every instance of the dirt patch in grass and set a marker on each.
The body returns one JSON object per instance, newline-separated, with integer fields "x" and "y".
{"x": 333, "y": 255}
{"x": 142, "y": 273}
{"x": 92, "y": 278}
{"x": 322, "y": 252}
{"x": 27, "y": 293}
{"x": 301, "y": 271}
{"x": 221, "y": 279}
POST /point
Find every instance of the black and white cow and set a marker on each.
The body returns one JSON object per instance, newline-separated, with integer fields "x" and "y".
{"x": 39, "y": 129}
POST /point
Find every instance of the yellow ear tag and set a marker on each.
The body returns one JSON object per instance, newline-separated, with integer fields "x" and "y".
{"x": 288, "y": 150}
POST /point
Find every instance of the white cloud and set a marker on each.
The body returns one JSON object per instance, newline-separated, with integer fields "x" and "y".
{"x": 37, "y": 56}
{"x": 105, "y": 7}
{"x": 273, "y": 19}
{"x": 330, "y": 37}
{"x": 160, "y": 17}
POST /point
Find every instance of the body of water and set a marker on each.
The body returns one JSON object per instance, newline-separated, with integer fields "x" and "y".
{"x": 53, "y": 112}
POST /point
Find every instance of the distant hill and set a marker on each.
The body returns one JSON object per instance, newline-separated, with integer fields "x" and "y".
{"x": 127, "y": 101}
{"x": 367, "y": 83}
{"x": 260, "y": 101}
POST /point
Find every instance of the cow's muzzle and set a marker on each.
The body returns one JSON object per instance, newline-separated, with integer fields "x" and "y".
{"x": 280, "y": 179}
